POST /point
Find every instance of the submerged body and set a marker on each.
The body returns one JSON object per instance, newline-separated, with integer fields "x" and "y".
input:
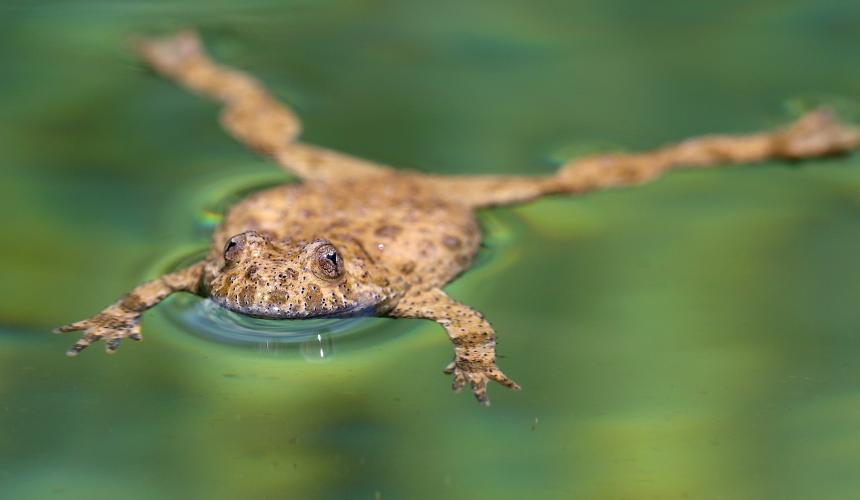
{"x": 358, "y": 238}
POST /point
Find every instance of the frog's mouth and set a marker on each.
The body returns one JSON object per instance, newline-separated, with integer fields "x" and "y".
{"x": 264, "y": 310}
{"x": 312, "y": 301}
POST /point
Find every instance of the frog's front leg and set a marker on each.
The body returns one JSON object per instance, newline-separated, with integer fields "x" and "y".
{"x": 121, "y": 319}
{"x": 473, "y": 338}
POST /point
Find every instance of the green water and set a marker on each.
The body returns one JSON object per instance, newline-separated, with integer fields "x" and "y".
{"x": 694, "y": 338}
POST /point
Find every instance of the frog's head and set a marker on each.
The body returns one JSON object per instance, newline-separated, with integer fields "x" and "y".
{"x": 279, "y": 279}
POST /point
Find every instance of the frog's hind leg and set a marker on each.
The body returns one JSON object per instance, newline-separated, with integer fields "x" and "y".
{"x": 121, "y": 319}
{"x": 473, "y": 338}
{"x": 251, "y": 114}
{"x": 815, "y": 134}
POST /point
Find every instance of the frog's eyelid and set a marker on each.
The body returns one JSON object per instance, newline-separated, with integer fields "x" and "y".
{"x": 315, "y": 245}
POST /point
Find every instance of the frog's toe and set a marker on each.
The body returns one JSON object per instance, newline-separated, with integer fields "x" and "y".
{"x": 86, "y": 339}
{"x": 111, "y": 345}
{"x": 170, "y": 52}
{"x": 82, "y": 343}
{"x": 478, "y": 381}
{"x": 113, "y": 338}
{"x": 459, "y": 379}
{"x": 71, "y": 327}
{"x": 498, "y": 376}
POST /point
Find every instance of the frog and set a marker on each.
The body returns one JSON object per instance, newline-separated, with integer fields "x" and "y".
{"x": 353, "y": 237}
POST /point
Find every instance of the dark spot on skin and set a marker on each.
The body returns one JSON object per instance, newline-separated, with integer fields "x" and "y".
{"x": 252, "y": 270}
{"x": 132, "y": 302}
{"x": 381, "y": 281}
{"x": 313, "y": 299}
{"x": 407, "y": 268}
{"x": 388, "y": 231}
{"x": 451, "y": 242}
{"x": 246, "y": 297}
{"x": 339, "y": 223}
{"x": 277, "y": 298}
{"x": 313, "y": 159}
{"x": 363, "y": 250}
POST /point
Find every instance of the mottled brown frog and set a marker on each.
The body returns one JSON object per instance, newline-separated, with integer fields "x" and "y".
{"x": 356, "y": 238}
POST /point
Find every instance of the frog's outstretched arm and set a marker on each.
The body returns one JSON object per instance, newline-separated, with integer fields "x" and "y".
{"x": 121, "y": 319}
{"x": 815, "y": 134}
{"x": 473, "y": 338}
{"x": 251, "y": 114}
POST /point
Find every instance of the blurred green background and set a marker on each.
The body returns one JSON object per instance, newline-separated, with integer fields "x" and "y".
{"x": 693, "y": 338}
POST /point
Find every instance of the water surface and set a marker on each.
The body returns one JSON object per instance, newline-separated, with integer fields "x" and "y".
{"x": 693, "y": 338}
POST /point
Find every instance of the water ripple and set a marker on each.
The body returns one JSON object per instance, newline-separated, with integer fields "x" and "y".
{"x": 312, "y": 339}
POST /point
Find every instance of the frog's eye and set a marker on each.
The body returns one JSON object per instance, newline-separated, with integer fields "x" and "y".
{"x": 327, "y": 263}
{"x": 233, "y": 247}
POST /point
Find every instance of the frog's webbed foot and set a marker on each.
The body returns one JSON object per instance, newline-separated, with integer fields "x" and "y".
{"x": 111, "y": 326}
{"x": 121, "y": 320}
{"x": 817, "y": 133}
{"x": 169, "y": 54}
{"x": 473, "y": 338}
{"x": 477, "y": 376}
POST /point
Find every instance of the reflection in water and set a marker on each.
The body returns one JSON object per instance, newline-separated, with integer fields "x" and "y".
{"x": 314, "y": 339}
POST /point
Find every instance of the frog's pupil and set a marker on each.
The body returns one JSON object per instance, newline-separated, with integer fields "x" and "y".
{"x": 328, "y": 262}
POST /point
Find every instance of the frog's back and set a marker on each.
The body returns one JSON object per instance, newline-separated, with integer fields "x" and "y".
{"x": 397, "y": 220}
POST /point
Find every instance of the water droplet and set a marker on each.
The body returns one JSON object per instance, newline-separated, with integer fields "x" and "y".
{"x": 319, "y": 348}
